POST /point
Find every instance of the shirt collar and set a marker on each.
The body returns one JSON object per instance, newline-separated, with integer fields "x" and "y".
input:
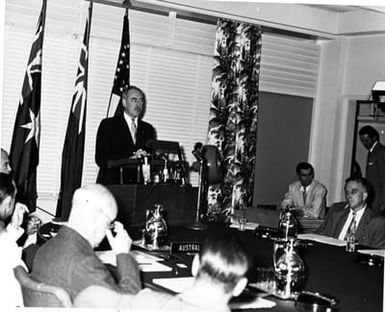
{"x": 360, "y": 211}
{"x": 129, "y": 119}
{"x": 306, "y": 189}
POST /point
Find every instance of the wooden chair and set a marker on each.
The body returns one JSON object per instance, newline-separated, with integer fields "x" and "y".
{"x": 36, "y": 294}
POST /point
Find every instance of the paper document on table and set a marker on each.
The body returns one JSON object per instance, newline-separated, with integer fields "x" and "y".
{"x": 154, "y": 267}
{"x": 142, "y": 257}
{"x": 375, "y": 252}
{"x": 175, "y": 284}
{"x": 322, "y": 239}
{"x": 109, "y": 256}
{"x": 256, "y": 303}
{"x": 248, "y": 225}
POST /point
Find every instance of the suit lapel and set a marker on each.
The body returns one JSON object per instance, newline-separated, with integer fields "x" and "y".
{"x": 127, "y": 132}
{"x": 140, "y": 136}
{"x": 363, "y": 225}
{"x": 341, "y": 221}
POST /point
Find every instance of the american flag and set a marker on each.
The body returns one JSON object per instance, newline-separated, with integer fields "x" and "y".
{"x": 122, "y": 73}
{"x": 24, "y": 153}
{"x": 73, "y": 149}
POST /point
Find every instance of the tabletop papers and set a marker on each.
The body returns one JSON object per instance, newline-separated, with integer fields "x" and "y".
{"x": 175, "y": 284}
{"x": 322, "y": 239}
{"x": 248, "y": 225}
{"x": 181, "y": 284}
{"x": 257, "y": 303}
{"x": 375, "y": 252}
{"x": 146, "y": 262}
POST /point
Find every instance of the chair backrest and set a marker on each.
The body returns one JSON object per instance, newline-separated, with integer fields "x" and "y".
{"x": 36, "y": 294}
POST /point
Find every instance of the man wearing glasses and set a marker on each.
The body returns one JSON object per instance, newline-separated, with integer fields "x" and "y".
{"x": 123, "y": 136}
{"x": 356, "y": 215}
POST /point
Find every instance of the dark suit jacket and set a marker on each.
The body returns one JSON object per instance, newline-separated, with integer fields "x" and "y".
{"x": 370, "y": 230}
{"x": 375, "y": 174}
{"x": 114, "y": 142}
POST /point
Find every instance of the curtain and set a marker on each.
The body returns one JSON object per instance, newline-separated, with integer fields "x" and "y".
{"x": 234, "y": 115}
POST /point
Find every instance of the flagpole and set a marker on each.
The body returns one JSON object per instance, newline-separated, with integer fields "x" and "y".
{"x": 73, "y": 147}
{"x": 122, "y": 72}
{"x": 24, "y": 152}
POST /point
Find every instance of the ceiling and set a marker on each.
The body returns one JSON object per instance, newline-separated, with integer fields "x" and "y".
{"x": 346, "y": 8}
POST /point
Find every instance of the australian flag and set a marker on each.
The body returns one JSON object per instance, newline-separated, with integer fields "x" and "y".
{"x": 122, "y": 73}
{"x": 24, "y": 152}
{"x": 73, "y": 149}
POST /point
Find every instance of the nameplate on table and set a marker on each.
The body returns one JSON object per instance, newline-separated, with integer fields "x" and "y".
{"x": 185, "y": 247}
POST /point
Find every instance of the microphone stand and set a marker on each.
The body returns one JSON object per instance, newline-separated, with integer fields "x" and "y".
{"x": 197, "y": 224}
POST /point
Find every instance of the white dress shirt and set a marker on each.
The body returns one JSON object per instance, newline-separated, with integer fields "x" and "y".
{"x": 346, "y": 226}
{"x": 129, "y": 120}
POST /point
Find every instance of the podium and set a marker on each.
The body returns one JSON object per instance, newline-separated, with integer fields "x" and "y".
{"x": 133, "y": 200}
{"x": 158, "y": 148}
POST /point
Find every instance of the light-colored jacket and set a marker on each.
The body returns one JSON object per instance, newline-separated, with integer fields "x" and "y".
{"x": 314, "y": 207}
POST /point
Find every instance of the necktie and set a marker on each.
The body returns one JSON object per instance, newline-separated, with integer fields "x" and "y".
{"x": 133, "y": 130}
{"x": 304, "y": 196}
{"x": 352, "y": 227}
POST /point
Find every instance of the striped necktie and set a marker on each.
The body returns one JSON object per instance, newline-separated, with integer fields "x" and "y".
{"x": 352, "y": 227}
{"x": 133, "y": 130}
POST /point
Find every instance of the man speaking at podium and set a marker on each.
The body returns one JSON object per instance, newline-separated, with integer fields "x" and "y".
{"x": 123, "y": 136}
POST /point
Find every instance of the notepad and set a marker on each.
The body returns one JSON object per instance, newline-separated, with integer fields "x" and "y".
{"x": 248, "y": 225}
{"x": 375, "y": 252}
{"x": 146, "y": 262}
{"x": 154, "y": 267}
{"x": 322, "y": 239}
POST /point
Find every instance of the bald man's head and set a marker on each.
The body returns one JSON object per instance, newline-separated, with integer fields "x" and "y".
{"x": 93, "y": 210}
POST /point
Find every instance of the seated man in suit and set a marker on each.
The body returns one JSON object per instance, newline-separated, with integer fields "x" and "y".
{"x": 68, "y": 259}
{"x": 370, "y": 227}
{"x": 219, "y": 274}
{"x": 11, "y": 217}
{"x": 123, "y": 136}
{"x": 306, "y": 196}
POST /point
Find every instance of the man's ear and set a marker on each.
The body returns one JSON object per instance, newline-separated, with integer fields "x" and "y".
{"x": 365, "y": 196}
{"x": 124, "y": 101}
{"x": 195, "y": 265}
{"x": 240, "y": 286}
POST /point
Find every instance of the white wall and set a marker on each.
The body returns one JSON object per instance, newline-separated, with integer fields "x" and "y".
{"x": 349, "y": 67}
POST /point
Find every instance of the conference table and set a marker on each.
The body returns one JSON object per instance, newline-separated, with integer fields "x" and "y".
{"x": 329, "y": 269}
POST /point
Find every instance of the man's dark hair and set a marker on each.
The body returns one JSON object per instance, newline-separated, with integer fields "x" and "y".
{"x": 7, "y": 187}
{"x": 126, "y": 90}
{"x": 304, "y": 166}
{"x": 360, "y": 180}
{"x": 370, "y": 131}
{"x": 223, "y": 259}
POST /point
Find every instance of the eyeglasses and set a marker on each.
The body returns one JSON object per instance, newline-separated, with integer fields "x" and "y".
{"x": 136, "y": 100}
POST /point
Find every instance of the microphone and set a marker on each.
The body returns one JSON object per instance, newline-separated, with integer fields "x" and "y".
{"x": 197, "y": 151}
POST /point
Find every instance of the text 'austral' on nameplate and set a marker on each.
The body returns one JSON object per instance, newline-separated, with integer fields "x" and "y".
{"x": 185, "y": 247}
